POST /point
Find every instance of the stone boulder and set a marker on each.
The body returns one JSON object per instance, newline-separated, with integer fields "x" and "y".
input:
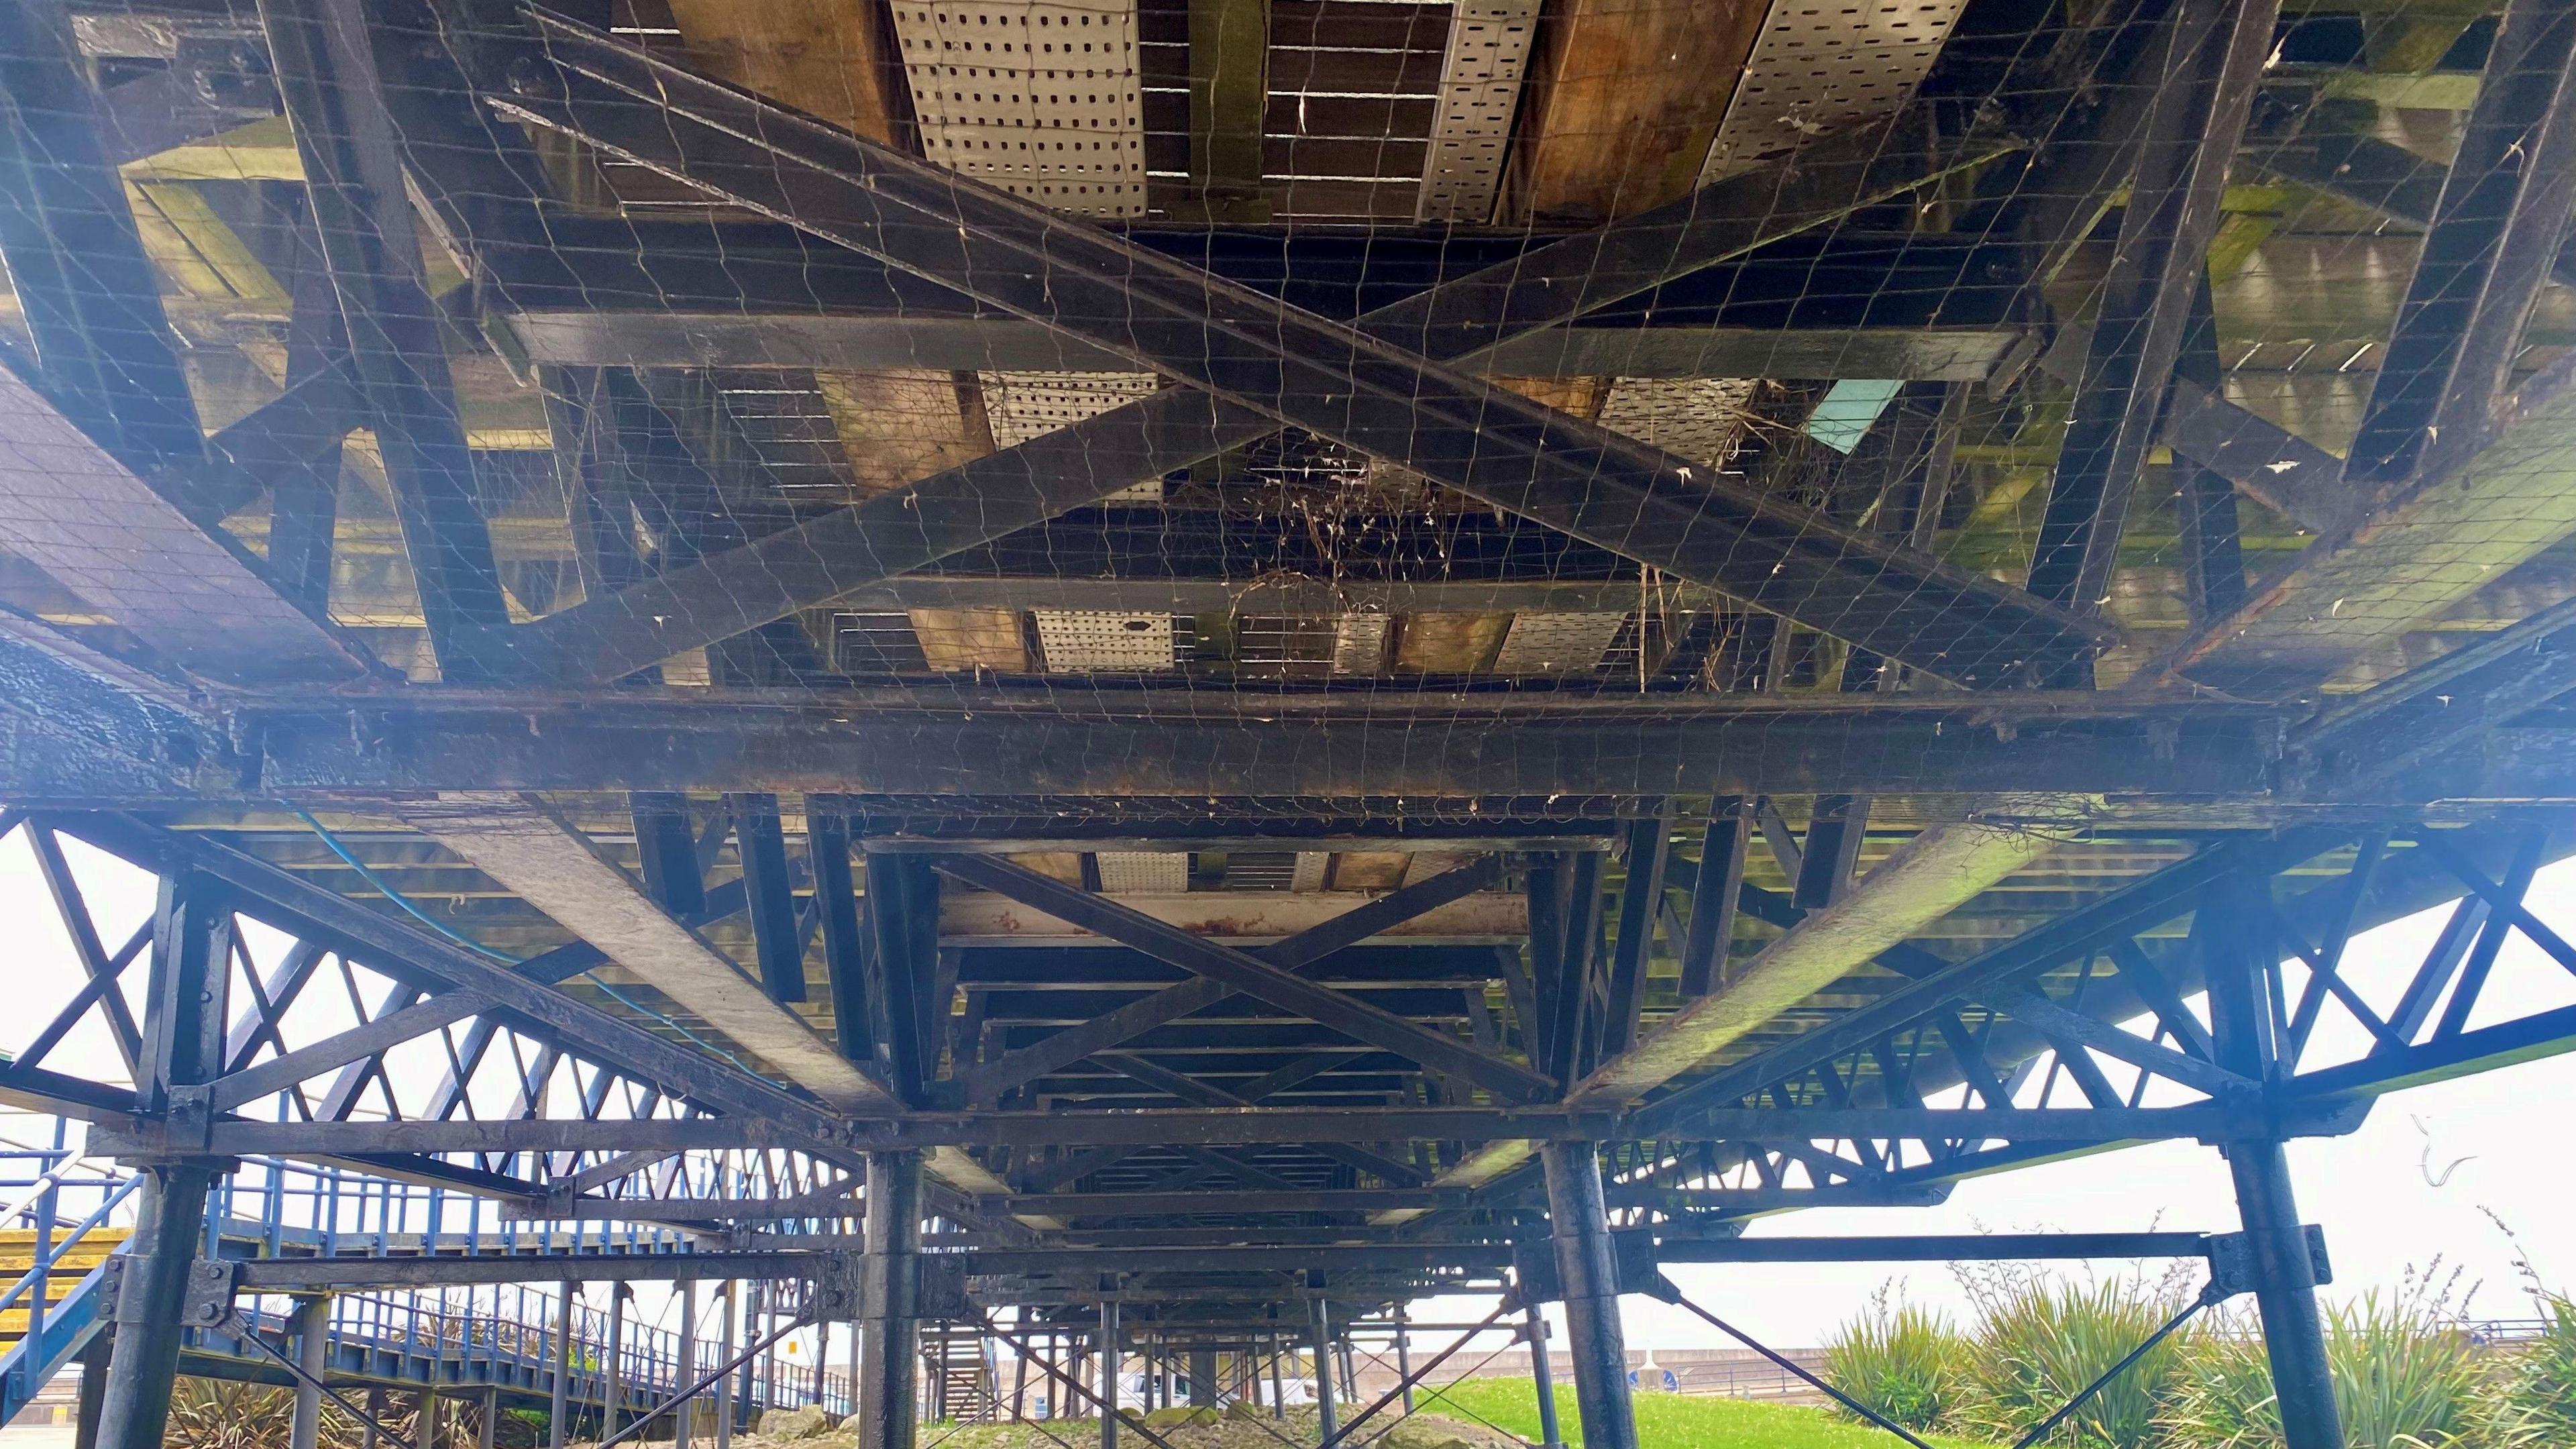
{"x": 1181, "y": 1416}
{"x": 811, "y": 1421}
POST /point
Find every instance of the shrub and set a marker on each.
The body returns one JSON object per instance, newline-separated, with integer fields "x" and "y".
{"x": 2040, "y": 1342}
{"x": 1903, "y": 1362}
{"x": 2537, "y": 1400}
{"x": 2221, "y": 1395}
{"x": 2403, "y": 1379}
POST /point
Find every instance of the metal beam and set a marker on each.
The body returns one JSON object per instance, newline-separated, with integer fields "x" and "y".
{"x": 312, "y": 913}
{"x": 1157, "y": 314}
{"x": 772, "y": 340}
{"x": 1237, "y": 1127}
{"x": 325, "y": 66}
{"x": 1251, "y": 975}
{"x": 1932, "y": 875}
{"x": 555, "y": 868}
{"x": 2211, "y": 58}
{"x": 87, "y": 292}
{"x": 986, "y": 1083}
{"x": 2495, "y": 232}
{"x": 122, "y": 547}
{"x": 1888, "y": 744}
{"x": 2486, "y": 499}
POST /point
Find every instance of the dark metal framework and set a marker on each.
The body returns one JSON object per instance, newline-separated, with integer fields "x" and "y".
{"x": 1854, "y": 885}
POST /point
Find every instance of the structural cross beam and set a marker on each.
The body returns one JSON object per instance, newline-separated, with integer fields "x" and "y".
{"x": 1253, "y": 364}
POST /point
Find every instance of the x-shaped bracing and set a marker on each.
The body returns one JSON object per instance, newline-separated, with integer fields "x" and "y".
{"x": 1253, "y": 364}
{"x": 1270, "y": 976}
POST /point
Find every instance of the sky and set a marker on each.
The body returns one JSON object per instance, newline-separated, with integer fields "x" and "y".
{"x": 2459, "y": 1182}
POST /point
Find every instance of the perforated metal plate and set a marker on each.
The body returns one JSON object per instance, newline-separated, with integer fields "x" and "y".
{"x": 1024, "y": 405}
{"x": 1359, "y": 643}
{"x": 1699, "y": 418}
{"x": 1142, "y": 873}
{"x": 1480, "y": 84}
{"x": 1037, "y": 97}
{"x": 1556, "y": 643}
{"x": 1085, "y": 641}
{"x": 1309, "y": 875}
{"x": 1820, "y": 67}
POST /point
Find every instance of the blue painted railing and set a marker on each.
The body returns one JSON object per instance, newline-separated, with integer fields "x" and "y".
{"x": 499, "y": 1337}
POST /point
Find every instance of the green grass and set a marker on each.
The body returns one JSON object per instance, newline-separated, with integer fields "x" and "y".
{"x": 1674, "y": 1421}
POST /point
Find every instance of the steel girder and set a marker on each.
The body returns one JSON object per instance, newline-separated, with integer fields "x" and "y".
{"x": 1248, "y": 359}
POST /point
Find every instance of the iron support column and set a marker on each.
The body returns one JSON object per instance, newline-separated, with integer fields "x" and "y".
{"x": 183, "y": 1044}
{"x": 1108, "y": 1357}
{"x": 2245, "y": 1032}
{"x": 1578, "y": 1220}
{"x": 889, "y": 1302}
{"x": 559, "y": 1404}
{"x": 724, "y": 1387}
{"x": 426, "y": 1436}
{"x": 688, "y": 1362}
{"x": 1543, "y": 1380}
{"x": 1203, "y": 1391}
{"x": 150, "y": 1308}
{"x": 614, "y": 1386}
{"x": 1319, "y": 1318}
{"x": 93, "y": 1393}
{"x": 1278, "y": 1398}
{"x": 1404, "y": 1358}
{"x": 311, "y": 1322}
{"x": 488, "y": 1433}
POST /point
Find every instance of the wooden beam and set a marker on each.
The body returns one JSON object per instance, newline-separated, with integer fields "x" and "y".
{"x": 1623, "y": 101}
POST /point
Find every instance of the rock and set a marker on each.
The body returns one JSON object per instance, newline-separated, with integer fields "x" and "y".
{"x": 1421, "y": 1434}
{"x": 809, "y": 1422}
{"x": 1180, "y": 1417}
{"x": 1242, "y": 1410}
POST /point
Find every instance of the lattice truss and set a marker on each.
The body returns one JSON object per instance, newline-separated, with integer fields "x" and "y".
{"x": 356, "y": 1033}
{"x": 1356, "y": 582}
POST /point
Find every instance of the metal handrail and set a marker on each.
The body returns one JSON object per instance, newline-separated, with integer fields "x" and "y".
{"x": 49, "y": 1254}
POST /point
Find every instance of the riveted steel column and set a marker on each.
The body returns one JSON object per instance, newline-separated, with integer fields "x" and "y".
{"x": 1578, "y": 1220}
{"x": 889, "y": 1303}
{"x": 2245, "y": 1031}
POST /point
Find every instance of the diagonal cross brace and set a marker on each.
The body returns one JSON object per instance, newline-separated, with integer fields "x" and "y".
{"x": 1247, "y": 973}
{"x": 1253, "y": 364}
{"x": 1190, "y": 1089}
{"x": 987, "y": 1083}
